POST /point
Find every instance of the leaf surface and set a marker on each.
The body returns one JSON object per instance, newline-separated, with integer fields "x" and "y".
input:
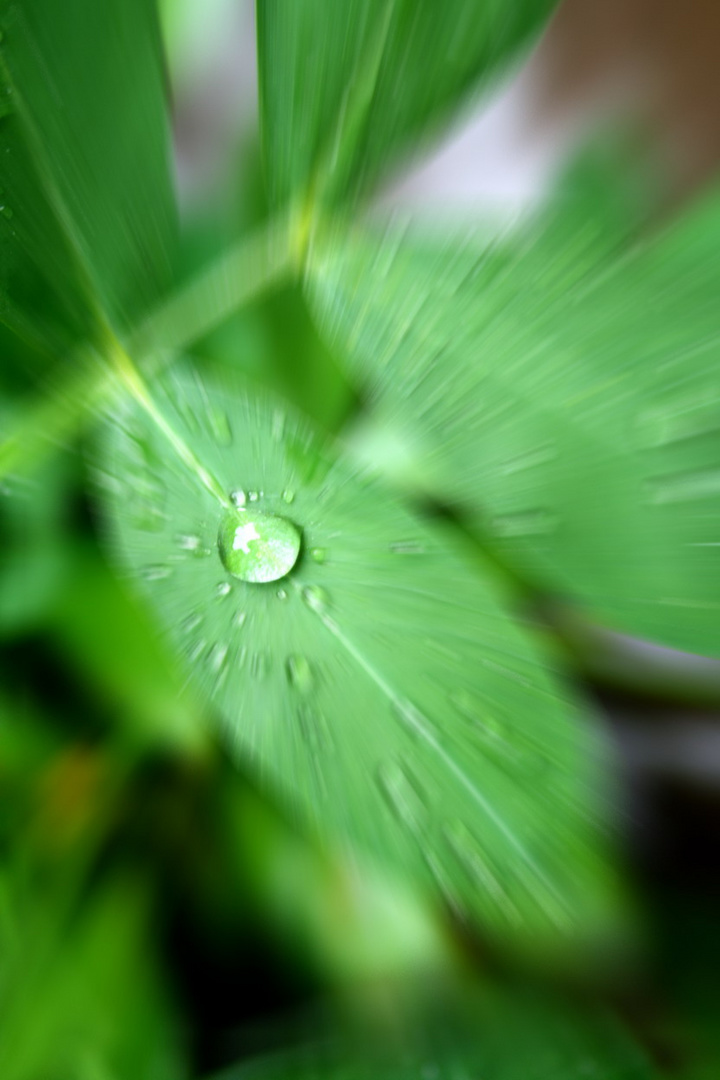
{"x": 490, "y": 1035}
{"x": 559, "y": 388}
{"x": 345, "y": 86}
{"x": 381, "y": 685}
{"x": 87, "y": 219}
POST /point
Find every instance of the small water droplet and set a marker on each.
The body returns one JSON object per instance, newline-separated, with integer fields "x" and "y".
{"x": 238, "y": 498}
{"x": 316, "y": 732}
{"x": 257, "y": 547}
{"x": 217, "y": 657}
{"x": 472, "y": 710}
{"x": 282, "y": 594}
{"x": 197, "y": 649}
{"x": 524, "y": 523}
{"x": 220, "y": 427}
{"x": 278, "y": 424}
{"x": 403, "y": 795}
{"x": 187, "y": 542}
{"x": 408, "y": 547}
{"x": 300, "y": 674}
{"x": 253, "y": 496}
{"x": 224, "y": 588}
{"x": 316, "y": 598}
{"x": 259, "y": 665}
{"x": 319, "y": 555}
{"x": 156, "y": 573}
{"x": 240, "y": 618}
{"x": 414, "y": 722}
{"x": 468, "y": 852}
{"x": 683, "y": 486}
{"x": 288, "y": 496}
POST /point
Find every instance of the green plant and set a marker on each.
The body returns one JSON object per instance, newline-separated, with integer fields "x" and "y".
{"x": 358, "y": 628}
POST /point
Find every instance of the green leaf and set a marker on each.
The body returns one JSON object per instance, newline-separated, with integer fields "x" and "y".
{"x": 559, "y": 388}
{"x": 97, "y": 1006}
{"x": 381, "y": 686}
{"x": 87, "y": 218}
{"x": 496, "y": 1036}
{"x": 345, "y": 86}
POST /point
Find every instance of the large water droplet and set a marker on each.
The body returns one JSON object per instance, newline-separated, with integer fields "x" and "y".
{"x": 257, "y": 547}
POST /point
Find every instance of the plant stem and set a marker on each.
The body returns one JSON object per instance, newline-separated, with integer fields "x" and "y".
{"x": 133, "y": 381}
{"x": 252, "y": 267}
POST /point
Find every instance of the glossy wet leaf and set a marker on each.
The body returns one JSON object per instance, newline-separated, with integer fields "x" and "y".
{"x": 87, "y": 209}
{"x": 382, "y": 686}
{"x": 345, "y": 86}
{"x": 559, "y": 387}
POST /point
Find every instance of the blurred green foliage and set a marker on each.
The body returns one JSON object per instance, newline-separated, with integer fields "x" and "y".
{"x": 472, "y": 428}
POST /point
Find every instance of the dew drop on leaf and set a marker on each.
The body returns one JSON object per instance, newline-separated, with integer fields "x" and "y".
{"x": 217, "y": 657}
{"x": 156, "y": 573}
{"x": 259, "y": 665}
{"x": 239, "y": 498}
{"x": 220, "y": 427}
{"x": 224, "y": 588}
{"x": 318, "y": 555}
{"x": 257, "y": 547}
{"x": 300, "y": 674}
{"x": 316, "y": 598}
{"x": 407, "y": 547}
{"x": 188, "y": 543}
{"x": 191, "y": 623}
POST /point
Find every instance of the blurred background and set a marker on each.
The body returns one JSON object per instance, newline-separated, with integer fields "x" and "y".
{"x": 159, "y": 917}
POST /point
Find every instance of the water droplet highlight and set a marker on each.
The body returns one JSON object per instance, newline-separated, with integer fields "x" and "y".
{"x": 224, "y": 588}
{"x": 288, "y": 496}
{"x": 191, "y": 623}
{"x": 188, "y": 543}
{"x": 316, "y": 598}
{"x": 319, "y": 555}
{"x": 257, "y": 547}
{"x": 299, "y": 674}
{"x": 408, "y": 547}
{"x": 239, "y": 498}
{"x": 156, "y": 573}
